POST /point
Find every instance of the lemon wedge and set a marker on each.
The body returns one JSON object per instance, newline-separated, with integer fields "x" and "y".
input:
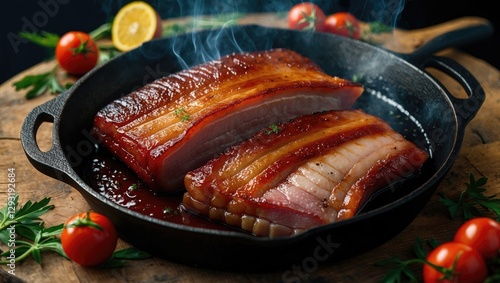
{"x": 135, "y": 23}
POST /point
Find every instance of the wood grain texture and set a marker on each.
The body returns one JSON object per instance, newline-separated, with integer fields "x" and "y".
{"x": 480, "y": 155}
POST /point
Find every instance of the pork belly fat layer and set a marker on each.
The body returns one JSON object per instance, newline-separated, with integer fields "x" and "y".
{"x": 317, "y": 169}
{"x": 177, "y": 123}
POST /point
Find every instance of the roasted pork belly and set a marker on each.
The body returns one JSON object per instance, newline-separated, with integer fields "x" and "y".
{"x": 294, "y": 176}
{"x": 177, "y": 123}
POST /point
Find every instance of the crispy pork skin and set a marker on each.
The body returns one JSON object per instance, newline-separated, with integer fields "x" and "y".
{"x": 177, "y": 123}
{"x": 294, "y": 176}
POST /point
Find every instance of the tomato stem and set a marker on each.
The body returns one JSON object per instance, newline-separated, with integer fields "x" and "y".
{"x": 82, "y": 48}
{"x": 85, "y": 222}
{"x": 309, "y": 19}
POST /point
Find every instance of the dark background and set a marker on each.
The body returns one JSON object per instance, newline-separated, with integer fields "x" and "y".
{"x": 60, "y": 16}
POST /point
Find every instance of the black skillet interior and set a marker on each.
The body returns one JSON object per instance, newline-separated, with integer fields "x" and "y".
{"x": 397, "y": 91}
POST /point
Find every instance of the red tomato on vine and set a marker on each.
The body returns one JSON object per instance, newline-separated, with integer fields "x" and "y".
{"x": 481, "y": 234}
{"x": 454, "y": 263}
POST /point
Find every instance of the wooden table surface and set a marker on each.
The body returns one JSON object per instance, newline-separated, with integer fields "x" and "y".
{"x": 480, "y": 155}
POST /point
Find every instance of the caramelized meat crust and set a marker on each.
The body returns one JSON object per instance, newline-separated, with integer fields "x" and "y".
{"x": 177, "y": 123}
{"x": 311, "y": 171}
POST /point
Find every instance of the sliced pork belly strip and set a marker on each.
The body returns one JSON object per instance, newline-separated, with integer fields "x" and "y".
{"x": 317, "y": 169}
{"x": 177, "y": 123}
{"x": 403, "y": 160}
{"x": 358, "y": 169}
{"x": 297, "y": 140}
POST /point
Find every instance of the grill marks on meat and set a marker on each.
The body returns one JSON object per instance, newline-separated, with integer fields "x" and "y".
{"x": 179, "y": 122}
{"x": 317, "y": 169}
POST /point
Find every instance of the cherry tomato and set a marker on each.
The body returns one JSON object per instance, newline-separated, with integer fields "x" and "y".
{"x": 469, "y": 266}
{"x": 76, "y": 52}
{"x": 343, "y": 23}
{"x": 306, "y": 15}
{"x": 89, "y": 238}
{"x": 482, "y": 234}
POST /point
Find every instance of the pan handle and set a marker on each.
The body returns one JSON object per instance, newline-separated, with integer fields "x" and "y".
{"x": 49, "y": 162}
{"x": 455, "y": 38}
{"x": 467, "y": 108}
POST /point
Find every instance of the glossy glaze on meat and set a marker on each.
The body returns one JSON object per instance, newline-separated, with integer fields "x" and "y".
{"x": 311, "y": 171}
{"x": 177, "y": 123}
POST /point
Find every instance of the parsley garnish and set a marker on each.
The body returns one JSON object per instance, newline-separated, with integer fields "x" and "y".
{"x": 273, "y": 129}
{"x": 31, "y": 237}
{"x": 45, "y": 39}
{"x": 171, "y": 211}
{"x": 378, "y": 28}
{"x": 28, "y": 215}
{"x": 44, "y": 82}
{"x": 357, "y": 77}
{"x": 119, "y": 257}
{"x": 401, "y": 270}
{"x": 48, "y": 82}
{"x": 182, "y": 114}
{"x": 471, "y": 199}
{"x": 40, "y": 84}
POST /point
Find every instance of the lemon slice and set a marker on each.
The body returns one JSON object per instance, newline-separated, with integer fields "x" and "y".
{"x": 135, "y": 23}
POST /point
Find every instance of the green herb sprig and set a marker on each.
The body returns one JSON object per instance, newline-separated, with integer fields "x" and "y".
{"x": 35, "y": 242}
{"x": 182, "y": 114}
{"x": 120, "y": 257}
{"x": 27, "y": 216}
{"x": 273, "y": 129}
{"x": 48, "y": 82}
{"x": 44, "y": 38}
{"x": 401, "y": 270}
{"x": 40, "y": 84}
{"x": 471, "y": 199}
{"x": 32, "y": 238}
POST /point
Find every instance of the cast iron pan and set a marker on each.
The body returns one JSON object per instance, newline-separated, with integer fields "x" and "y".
{"x": 398, "y": 89}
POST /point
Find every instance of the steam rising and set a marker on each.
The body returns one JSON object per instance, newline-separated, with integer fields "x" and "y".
{"x": 206, "y": 50}
{"x": 385, "y": 11}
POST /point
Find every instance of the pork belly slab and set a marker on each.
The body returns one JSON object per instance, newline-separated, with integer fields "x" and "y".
{"x": 313, "y": 170}
{"x": 177, "y": 123}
